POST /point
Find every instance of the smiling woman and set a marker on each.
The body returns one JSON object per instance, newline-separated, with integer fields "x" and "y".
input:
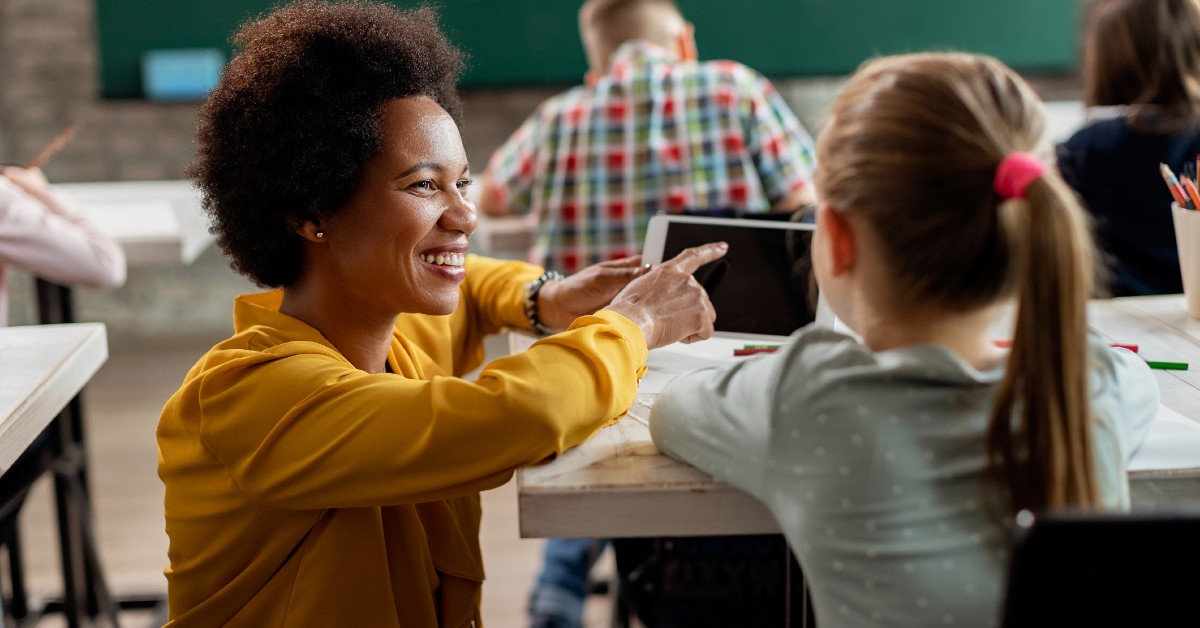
{"x": 323, "y": 465}
{"x": 399, "y": 241}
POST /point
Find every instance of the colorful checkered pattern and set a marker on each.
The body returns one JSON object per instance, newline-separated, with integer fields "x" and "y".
{"x": 654, "y": 135}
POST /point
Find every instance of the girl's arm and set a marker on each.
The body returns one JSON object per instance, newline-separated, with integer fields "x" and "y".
{"x": 1129, "y": 387}
{"x": 718, "y": 419}
{"x": 45, "y": 236}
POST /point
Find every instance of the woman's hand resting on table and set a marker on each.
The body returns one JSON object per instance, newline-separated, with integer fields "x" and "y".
{"x": 666, "y": 302}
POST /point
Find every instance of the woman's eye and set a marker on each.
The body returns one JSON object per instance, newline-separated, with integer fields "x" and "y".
{"x": 423, "y": 185}
{"x": 465, "y": 183}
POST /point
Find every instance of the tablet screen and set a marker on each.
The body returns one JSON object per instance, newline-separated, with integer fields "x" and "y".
{"x": 764, "y": 283}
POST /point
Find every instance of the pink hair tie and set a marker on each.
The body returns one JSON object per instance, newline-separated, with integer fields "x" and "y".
{"x": 1015, "y": 172}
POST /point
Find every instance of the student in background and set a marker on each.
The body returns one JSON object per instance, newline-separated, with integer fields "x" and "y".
{"x": 652, "y": 130}
{"x": 1142, "y": 63}
{"x": 42, "y": 233}
{"x": 895, "y": 464}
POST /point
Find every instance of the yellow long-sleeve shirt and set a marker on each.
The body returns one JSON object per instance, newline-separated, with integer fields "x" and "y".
{"x": 301, "y": 491}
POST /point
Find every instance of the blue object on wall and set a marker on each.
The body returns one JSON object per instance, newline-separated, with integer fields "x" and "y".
{"x": 181, "y": 73}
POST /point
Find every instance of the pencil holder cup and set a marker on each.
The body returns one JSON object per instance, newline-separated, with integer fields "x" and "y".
{"x": 1187, "y": 238}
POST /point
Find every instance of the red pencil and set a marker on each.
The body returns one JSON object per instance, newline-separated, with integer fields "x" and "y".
{"x": 740, "y": 352}
{"x": 53, "y": 147}
{"x": 1118, "y": 345}
{"x": 1173, "y": 185}
{"x": 1193, "y": 193}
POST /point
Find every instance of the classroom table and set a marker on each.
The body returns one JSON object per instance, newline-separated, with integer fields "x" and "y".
{"x": 1064, "y": 118}
{"x": 42, "y": 369}
{"x": 617, "y": 484}
{"x": 155, "y": 223}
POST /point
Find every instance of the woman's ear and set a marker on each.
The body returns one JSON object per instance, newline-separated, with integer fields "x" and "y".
{"x": 312, "y": 231}
{"x": 839, "y": 231}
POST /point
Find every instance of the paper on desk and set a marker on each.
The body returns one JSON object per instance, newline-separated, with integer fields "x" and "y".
{"x": 664, "y": 363}
{"x": 640, "y": 410}
{"x": 1173, "y": 443}
{"x": 134, "y": 220}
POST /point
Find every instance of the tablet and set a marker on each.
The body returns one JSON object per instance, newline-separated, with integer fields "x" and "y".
{"x": 763, "y": 287}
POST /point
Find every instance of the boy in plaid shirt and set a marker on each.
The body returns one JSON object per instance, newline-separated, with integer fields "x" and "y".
{"x": 651, "y": 131}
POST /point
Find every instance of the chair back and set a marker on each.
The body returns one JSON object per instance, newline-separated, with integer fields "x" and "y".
{"x": 1127, "y": 569}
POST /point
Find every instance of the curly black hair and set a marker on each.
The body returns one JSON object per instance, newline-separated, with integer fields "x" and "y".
{"x": 283, "y": 135}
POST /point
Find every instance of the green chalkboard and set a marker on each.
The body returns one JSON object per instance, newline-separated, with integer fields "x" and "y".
{"x": 524, "y": 42}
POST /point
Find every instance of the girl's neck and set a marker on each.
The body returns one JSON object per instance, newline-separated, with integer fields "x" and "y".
{"x": 969, "y": 334}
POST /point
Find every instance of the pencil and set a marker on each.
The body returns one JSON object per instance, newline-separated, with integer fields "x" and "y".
{"x": 54, "y": 146}
{"x": 1193, "y": 193}
{"x": 741, "y": 352}
{"x": 1119, "y": 345}
{"x": 1167, "y": 366}
{"x": 1173, "y": 185}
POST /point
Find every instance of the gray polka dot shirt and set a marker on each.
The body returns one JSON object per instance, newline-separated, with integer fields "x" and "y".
{"x": 873, "y": 465}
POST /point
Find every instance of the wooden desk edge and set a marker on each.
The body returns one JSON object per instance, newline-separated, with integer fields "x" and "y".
{"x": 63, "y": 383}
{"x": 651, "y": 512}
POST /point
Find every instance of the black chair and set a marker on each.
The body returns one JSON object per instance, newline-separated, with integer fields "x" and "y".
{"x": 710, "y": 582}
{"x": 1075, "y": 569}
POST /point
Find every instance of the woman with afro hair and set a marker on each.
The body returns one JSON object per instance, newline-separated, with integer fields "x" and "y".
{"x": 322, "y": 466}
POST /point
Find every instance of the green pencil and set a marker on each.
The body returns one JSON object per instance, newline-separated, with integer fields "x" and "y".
{"x": 1167, "y": 366}
{"x": 761, "y": 347}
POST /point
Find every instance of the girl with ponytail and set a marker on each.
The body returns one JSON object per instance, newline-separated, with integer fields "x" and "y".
{"x": 895, "y": 461}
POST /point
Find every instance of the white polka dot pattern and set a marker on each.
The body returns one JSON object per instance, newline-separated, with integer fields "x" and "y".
{"x": 873, "y": 464}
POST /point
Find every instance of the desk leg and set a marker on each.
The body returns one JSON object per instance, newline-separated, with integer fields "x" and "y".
{"x": 81, "y": 576}
{"x": 83, "y": 579}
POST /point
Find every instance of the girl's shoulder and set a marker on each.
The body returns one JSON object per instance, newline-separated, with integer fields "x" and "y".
{"x": 837, "y": 354}
{"x": 821, "y": 348}
{"x": 818, "y": 357}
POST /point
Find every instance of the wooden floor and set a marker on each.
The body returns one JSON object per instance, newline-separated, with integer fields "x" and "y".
{"x": 122, "y": 405}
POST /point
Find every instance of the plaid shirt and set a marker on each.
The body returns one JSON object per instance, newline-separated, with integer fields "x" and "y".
{"x": 653, "y": 135}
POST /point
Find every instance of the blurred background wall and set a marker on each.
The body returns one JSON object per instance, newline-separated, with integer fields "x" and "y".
{"x": 50, "y": 76}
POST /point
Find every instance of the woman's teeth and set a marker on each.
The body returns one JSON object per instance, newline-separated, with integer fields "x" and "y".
{"x": 444, "y": 259}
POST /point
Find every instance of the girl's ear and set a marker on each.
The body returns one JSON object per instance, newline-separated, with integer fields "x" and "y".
{"x": 843, "y": 250}
{"x": 312, "y": 232}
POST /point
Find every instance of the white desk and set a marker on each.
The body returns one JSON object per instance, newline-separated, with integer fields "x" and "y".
{"x": 618, "y": 484}
{"x": 155, "y": 222}
{"x": 41, "y": 368}
{"x": 1063, "y": 118}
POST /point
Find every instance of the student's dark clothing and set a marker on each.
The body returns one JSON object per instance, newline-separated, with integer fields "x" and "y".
{"x": 1115, "y": 170}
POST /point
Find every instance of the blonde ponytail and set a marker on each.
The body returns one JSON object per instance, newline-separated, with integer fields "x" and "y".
{"x": 1039, "y": 435}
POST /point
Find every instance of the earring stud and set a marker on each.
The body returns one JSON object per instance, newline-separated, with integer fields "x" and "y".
{"x": 320, "y": 234}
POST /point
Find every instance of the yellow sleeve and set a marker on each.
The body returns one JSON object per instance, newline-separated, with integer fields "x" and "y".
{"x": 307, "y": 430}
{"x": 494, "y": 289}
{"x": 489, "y": 302}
